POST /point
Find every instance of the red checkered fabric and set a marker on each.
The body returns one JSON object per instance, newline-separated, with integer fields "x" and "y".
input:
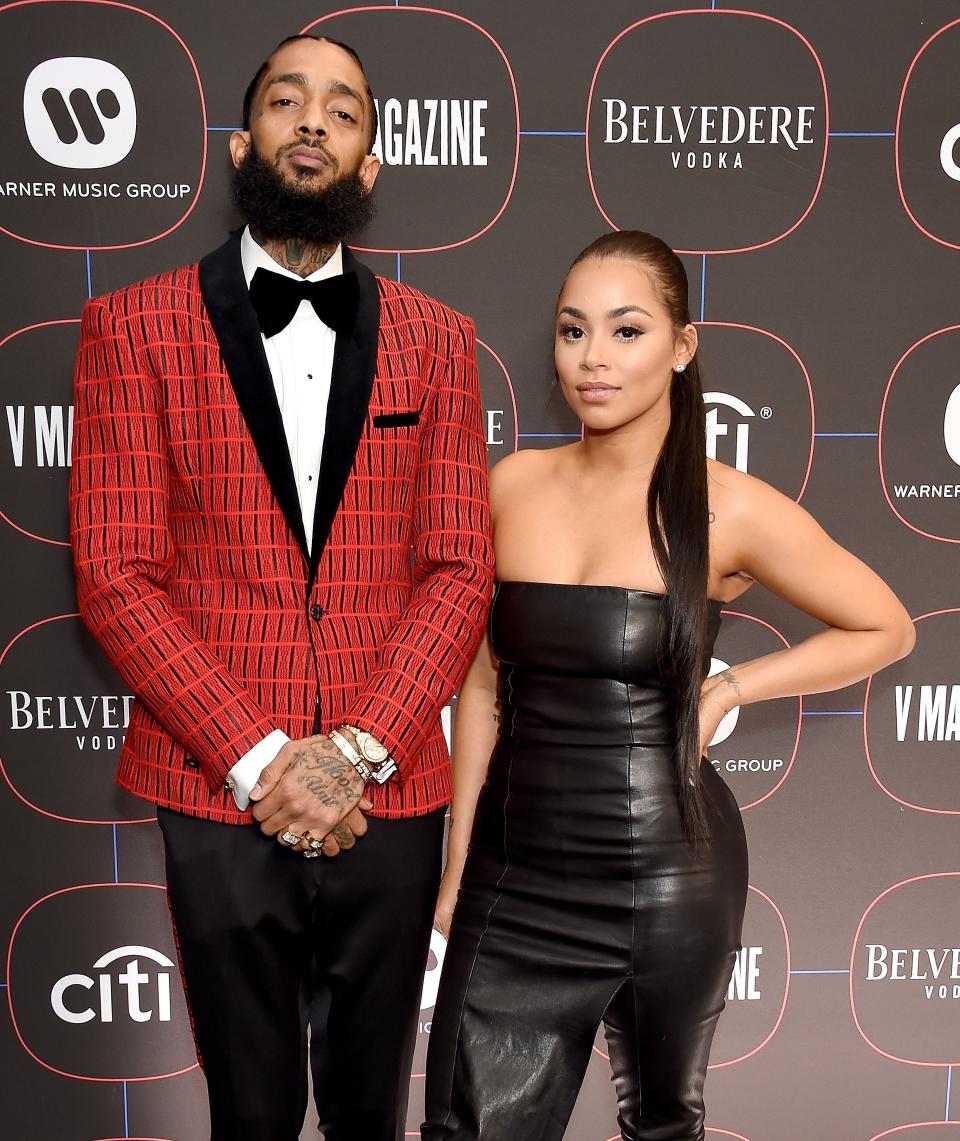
{"x": 191, "y": 579}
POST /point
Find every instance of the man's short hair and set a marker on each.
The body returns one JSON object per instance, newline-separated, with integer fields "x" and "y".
{"x": 250, "y": 94}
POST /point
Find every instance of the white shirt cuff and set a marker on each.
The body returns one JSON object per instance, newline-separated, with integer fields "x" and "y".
{"x": 246, "y": 772}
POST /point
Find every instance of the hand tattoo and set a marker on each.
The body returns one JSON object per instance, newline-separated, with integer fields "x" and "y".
{"x": 326, "y": 774}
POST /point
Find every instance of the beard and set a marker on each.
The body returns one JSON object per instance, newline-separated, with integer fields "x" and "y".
{"x": 284, "y": 211}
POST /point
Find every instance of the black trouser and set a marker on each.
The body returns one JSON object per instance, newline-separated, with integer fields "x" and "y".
{"x": 263, "y": 932}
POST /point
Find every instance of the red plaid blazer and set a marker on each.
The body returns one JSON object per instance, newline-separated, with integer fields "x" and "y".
{"x": 191, "y": 561}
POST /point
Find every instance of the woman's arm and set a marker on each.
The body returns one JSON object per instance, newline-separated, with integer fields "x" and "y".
{"x": 474, "y": 735}
{"x": 777, "y": 543}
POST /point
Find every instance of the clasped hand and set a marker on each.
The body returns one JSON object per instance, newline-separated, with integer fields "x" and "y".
{"x": 311, "y": 787}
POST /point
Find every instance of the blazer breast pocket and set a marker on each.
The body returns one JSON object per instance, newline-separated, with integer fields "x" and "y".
{"x": 396, "y": 419}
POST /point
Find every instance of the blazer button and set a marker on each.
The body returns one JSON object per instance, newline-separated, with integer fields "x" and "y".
{"x": 316, "y": 612}
{"x": 191, "y": 763}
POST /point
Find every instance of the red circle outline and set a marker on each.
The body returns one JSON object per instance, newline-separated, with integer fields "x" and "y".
{"x": 13, "y": 1017}
{"x": 3, "y": 768}
{"x": 203, "y": 116}
{"x": 513, "y": 398}
{"x": 783, "y": 1006}
{"x": 883, "y": 412}
{"x": 9, "y": 337}
{"x": 913, "y": 1125}
{"x": 718, "y": 12}
{"x": 896, "y": 142}
{"x": 806, "y": 376}
{"x": 853, "y": 958}
{"x": 796, "y": 740}
{"x": 516, "y": 104}
{"x": 866, "y": 741}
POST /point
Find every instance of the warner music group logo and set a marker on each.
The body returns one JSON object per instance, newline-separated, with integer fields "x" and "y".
{"x": 729, "y": 152}
{"x": 79, "y": 112}
{"x": 96, "y": 128}
{"x": 919, "y": 437}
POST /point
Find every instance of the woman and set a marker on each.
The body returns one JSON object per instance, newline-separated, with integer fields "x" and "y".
{"x": 607, "y": 872}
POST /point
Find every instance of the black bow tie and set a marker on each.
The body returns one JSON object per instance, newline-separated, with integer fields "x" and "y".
{"x": 276, "y": 299}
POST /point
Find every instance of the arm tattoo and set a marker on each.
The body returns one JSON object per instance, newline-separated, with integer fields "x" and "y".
{"x": 731, "y": 679}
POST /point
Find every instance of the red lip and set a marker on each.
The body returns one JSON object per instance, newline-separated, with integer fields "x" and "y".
{"x": 314, "y": 155}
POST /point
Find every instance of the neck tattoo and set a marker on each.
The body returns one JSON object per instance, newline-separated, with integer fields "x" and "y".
{"x": 296, "y": 255}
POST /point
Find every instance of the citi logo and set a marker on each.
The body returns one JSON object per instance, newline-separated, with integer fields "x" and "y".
{"x": 79, "y": 112}
{"x": 717, "y": 428}
{"x": 933, "y": 709}
{"x": 81, "y": 998}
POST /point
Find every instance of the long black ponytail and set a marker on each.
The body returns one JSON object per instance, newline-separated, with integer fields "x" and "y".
{"x": 678, "y": 520}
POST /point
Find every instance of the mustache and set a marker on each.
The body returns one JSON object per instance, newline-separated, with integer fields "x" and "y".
{"x": 308, "y": 144}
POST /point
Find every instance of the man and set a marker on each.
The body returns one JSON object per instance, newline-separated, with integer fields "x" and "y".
{"x": 281, "y": 539}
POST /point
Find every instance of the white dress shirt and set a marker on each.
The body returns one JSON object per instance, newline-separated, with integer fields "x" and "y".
{"x": 301, "y": 365}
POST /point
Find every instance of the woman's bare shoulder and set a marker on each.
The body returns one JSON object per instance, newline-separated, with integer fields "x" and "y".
{"x": 514, "y": 474}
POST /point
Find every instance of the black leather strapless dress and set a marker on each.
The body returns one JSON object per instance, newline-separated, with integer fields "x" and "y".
{"x": 581, "y": 900}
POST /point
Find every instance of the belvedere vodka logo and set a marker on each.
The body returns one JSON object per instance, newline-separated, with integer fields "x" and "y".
{"x": 449, "y": 132}
{"x": 63, "y": 720}
{"x": 905, "y": 970}
{"x": 724, "y": 153}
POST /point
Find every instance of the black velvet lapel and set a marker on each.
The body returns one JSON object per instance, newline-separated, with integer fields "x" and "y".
{"x": 227, "y": 301}
{"x": 354, "y": 368}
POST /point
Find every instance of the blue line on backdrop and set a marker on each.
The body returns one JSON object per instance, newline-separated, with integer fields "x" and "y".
{"x": 844, "y": 971}
{"x": 579, "y": 133}
{"x": 833, "y": 713}
{"x": 398, "y": 256}
{"x": 703, "y": 285}
{"x": 224, "y": 128}
{"x": 549, "y": 435}
{"x": 89, "y": 278}
{"x": 126, "y": 1112}
{"x": 116, "y": 859}
{"x": 848, "y": 435}
{"x": 862, "y": 134}
{"x": 946, "y": 1114}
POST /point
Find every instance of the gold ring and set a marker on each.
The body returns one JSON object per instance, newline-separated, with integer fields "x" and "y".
{"x": 291, "y": 838}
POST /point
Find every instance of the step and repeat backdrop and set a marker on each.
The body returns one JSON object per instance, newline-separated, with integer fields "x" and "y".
{"x": 805, "y": 159}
